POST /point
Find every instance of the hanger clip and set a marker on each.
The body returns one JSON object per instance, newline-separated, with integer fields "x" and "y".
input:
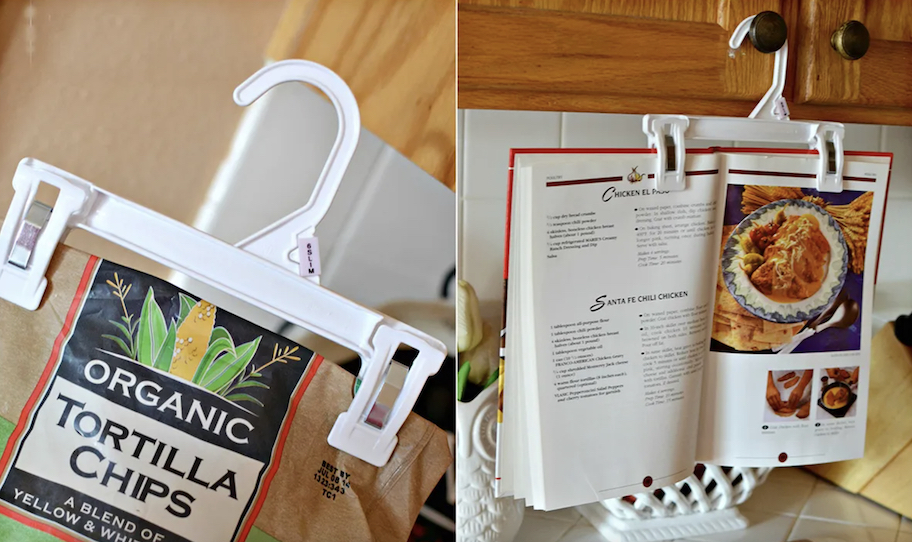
{"x": 829, "y": 145}
{"x": 29, "y": 238}
{"x": 384, "y": 398}
{"x": 665, "y": 133}
{"x": 768, "y": 123}
{"x": 31, "y": 231}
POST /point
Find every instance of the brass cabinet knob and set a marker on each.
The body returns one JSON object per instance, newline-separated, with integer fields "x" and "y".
{"x": 768, "y": 31}
{"x": 851, "y": 40}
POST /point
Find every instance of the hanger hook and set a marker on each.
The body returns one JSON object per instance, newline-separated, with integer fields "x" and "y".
{"x": 773, "y": 104}
{"x": 278, "y": 241}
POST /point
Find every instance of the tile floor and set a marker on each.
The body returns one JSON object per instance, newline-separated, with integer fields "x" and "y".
{"x": 791, "y": 505}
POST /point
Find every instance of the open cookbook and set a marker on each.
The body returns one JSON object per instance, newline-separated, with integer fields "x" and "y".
{"x": 646, "y": 331}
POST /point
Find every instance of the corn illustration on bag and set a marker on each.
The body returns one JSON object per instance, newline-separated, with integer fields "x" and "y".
{"x": 133, "y": 411}
{"x": 198, "y": 325}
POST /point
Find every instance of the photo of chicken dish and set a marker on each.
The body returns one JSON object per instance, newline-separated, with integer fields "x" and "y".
{"x": 786, "y": 258}
{"x": 786, "y": 262}
{"x": 791, "y": 270}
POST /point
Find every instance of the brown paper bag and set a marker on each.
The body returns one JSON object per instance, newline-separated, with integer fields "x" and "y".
{"x": 146, "y": 414}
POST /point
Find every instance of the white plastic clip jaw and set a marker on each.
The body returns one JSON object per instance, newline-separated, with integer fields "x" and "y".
{"x": 669, "y": 172}
{"x": 352, "y": 429}
{"x": 829, "y": 145}
{"x": 25, "y": 287}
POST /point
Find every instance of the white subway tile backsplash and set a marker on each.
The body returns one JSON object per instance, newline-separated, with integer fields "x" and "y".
{"x": 862, "y": 137}
{"x": 893, "y": 291}
{"x": 482, "y": 245}
{"x": 601, "y": 130}
{"x": 898, "y": 140}
{"x": 858, "y": 137}
{"x": 760, "y": 145}
{"x": 489, "y": 136}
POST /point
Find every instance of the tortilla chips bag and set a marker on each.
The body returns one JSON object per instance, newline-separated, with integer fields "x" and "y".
{"x": 131, "y": 411}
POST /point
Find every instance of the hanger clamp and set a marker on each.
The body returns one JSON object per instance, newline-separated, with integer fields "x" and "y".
{"x": 261, "y": 283}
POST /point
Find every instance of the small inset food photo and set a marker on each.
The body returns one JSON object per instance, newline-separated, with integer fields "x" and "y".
{"x": 788, "y": 395}
{"x": 838, "y": 392}
{"x": 791, "y": 271}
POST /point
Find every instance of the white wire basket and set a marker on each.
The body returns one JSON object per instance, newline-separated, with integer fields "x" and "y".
{"x": 703, "y": 503}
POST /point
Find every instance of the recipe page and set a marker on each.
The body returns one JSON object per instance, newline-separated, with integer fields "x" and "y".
{"x": 786, "y": 379}
{"x": 622, "y": 285}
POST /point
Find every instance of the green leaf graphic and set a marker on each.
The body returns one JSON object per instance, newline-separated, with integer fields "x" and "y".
{"x": 228, "y": 366}
{"x": 221, "y": 333}
{"x": 187, "y": 303}
{"x": 218, "y": 347}
{"x": 120, "y": 343}
{"x": 166, "y": 350}
{"x": 251, "y": 384}
{"x": 123, "y": 329}
{"x": 238, "y": 397}
{"x": 152, "y": 330}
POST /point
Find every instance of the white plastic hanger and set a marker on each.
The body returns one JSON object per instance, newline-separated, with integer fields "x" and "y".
{"x": 768, "y": 123}
{"x": 279, "y": 242}
{"x": 262, "y": 274}
{"x": 772, "y": 105}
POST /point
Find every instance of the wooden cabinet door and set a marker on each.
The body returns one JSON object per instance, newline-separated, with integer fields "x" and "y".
{"x": 882, "y": 78}
{"x": 620, "y": 56}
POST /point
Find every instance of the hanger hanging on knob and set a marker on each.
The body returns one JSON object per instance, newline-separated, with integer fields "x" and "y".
{"x": 769, "y": 122}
